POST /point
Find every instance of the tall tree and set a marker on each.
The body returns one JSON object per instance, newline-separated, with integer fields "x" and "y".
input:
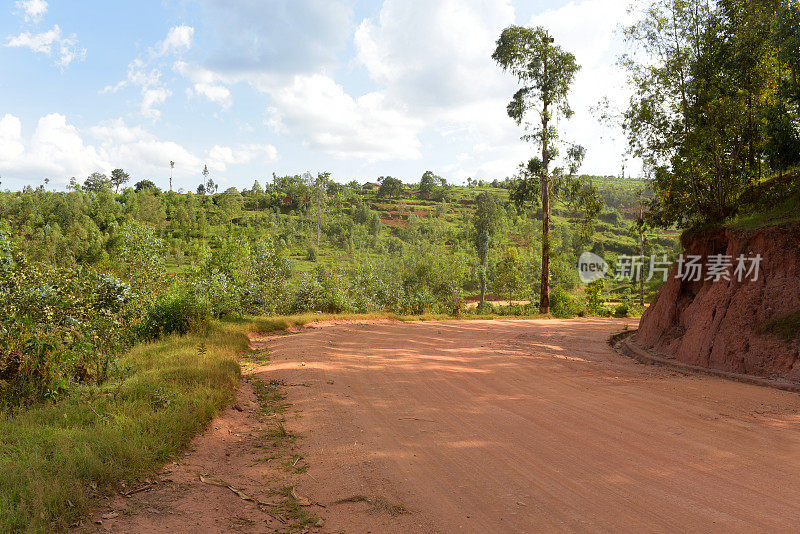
{"x": 390, "y": 187}
{"x": 545, "y": 71}
{"x": 485, "y": 224}
{"x": 171, "y": 169}
{"x": 96, "y": 181}
{"x": 427, "y": 183}
{"x": 257, "y": 190}
{"x": 210, "y": 186}
{"x": 119, "y": 177}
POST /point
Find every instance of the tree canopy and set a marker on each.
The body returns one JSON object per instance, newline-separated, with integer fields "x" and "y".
{"x": 716, "y": 104}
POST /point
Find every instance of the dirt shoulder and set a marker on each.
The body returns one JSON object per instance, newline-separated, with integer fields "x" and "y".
{"x": 483, "y": 426}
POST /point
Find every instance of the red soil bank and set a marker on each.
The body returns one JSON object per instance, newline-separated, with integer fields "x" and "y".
{"x": 719, "y": 324}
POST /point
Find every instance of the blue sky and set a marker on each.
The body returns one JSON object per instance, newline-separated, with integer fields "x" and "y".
{"x": 252, "y": 87}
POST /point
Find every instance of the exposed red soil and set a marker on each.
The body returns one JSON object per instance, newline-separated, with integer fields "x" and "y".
{"x": 493, "y": 426}
{"x": 719, "y": 324}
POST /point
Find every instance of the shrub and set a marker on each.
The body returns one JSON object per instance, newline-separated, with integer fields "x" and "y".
{"x": 321, "y": 290}
{"x": 484, "y": 308}
{"x": 58, "y": 325}
{"x": 622, "y": 310}
{"x": 179, "y": 311}
{"x": 562, "y": 304}
{"x": 419, "y": 303}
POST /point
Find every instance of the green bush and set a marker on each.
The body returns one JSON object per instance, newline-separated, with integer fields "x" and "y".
{"x": 179, "y": 311}
{"x": 563, "y": 305}
{"x": 622, "y": 310}
{"x": 484, "y": 308}
{"x": 321, "y": 290}
{"x": 419, "y": 303}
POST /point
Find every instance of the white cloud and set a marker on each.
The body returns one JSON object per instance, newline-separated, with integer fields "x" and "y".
{"x": 329, "y": 119}
{"x": 142, "y": 153}
{"x": 145, "y": 73}
{"x": 59, "y": 150}
{"x": 55, "y": 150}
{"x": 205, "y": 83}
{"x": 50, "y": 43}
{"x": 11, "y": 146}
{"x": 152, "y": 97}
{"x": 435, "y": 54}
{"x": 179, "y": 38}
{"x": 32, "y": 10}
{"x": 219, "y": 157}
{"x": 433, "y": 59}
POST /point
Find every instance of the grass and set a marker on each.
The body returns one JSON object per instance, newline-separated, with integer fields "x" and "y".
{"x": 57, "y": 458}
{"x": 786, "y": 327}
{"x": 271, "y": 400}
{"x": 296, "y": 515}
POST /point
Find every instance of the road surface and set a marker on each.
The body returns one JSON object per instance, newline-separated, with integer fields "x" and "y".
{"x": 497, "y": 426}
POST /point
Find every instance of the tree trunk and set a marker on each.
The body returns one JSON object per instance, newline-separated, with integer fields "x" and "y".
{"x": 544, "y": 302}
{"x": 544, "y": 291}
{"x": 483, "y": 279}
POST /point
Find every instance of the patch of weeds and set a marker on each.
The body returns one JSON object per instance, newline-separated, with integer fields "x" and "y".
{"x": 295, "y": 465}
{"x": 270, "y": 397}
{"x": 377, "y": 505}
{"x": 786, "y": 327}
{"x": 280, "y": 436}
{"x": 242, "y": 522}
{"x": 292, "y": 510}
{"x": 161, "y": 398}
{"x": 256, "y": 357}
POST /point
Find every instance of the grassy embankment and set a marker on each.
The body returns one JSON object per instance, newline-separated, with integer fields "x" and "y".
{"x": 55, "y": 458}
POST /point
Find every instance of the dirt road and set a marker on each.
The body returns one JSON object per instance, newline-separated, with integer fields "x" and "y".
{"x": 502, "y": 426}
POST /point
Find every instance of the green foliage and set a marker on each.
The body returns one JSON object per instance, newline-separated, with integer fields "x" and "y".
{"x": 59, "y": 326}
{"x": 144, "y": 185}
{"x": 390, "y": 187}
{"x": 179, "y": 311}
{"x": 594, "y": 295}
{"x": 321, "y": 290}
{"x": 52, "y": 453}
{"x": 96, "y": 182}
{"x": 564, "y": 305}
{"x": 786, "y": 327}
{"x": 715, "y": 107}
{"x": 508, "y": 275}
{"x": 118, "y": 178}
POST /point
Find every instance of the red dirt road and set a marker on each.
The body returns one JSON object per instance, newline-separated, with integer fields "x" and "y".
{"x": 503, "y": 426}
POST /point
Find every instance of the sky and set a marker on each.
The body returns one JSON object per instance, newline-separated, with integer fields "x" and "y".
{"x": 358, "y": 88}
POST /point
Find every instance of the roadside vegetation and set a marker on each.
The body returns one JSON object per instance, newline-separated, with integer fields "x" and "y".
{"x": 57, "y": 457}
